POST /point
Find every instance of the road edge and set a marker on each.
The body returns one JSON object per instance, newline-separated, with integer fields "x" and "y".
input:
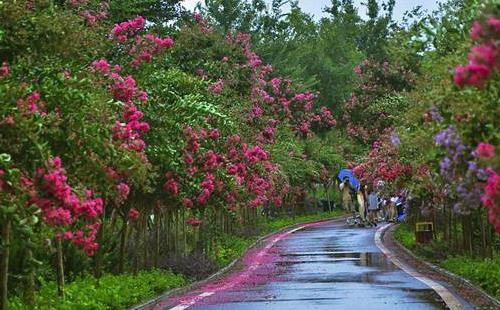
{"x": 227, "y": 269}
{"x": 446, "y": 273}
{"x": 448, "y": 298}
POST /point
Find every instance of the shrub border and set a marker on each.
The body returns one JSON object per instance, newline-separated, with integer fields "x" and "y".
{"x": 456, "y": 278}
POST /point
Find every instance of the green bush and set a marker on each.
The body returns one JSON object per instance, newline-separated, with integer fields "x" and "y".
{"x": 231, "y": 247}
{"x": 482, "y": 272}
{"x": 112, "y": 291}
{"x": 405, "y": 236}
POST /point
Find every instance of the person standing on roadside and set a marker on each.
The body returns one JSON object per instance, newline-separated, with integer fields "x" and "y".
{"x": 392, "y": 210}
{"x": 362, "y": 204}
{"x": 345, "y": 188}
{"x": 373, "y": 206}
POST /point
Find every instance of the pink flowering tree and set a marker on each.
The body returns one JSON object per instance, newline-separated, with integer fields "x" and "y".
{"x": 375, "y": 103}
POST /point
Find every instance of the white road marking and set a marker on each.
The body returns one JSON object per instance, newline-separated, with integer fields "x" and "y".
{"x": 451, "y": 301}
{"x": 192, "y": 302}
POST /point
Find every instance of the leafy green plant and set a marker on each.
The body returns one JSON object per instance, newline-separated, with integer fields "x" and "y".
{"x": 110, "y": 292}
{"x": 405, "y": 236}
{"x": 482, "y": 272}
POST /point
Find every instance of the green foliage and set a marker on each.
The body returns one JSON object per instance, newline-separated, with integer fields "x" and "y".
{"x": 482, "y": 272}
{"x": 230, "y": 247}
{"x": 405, "y": 235}
{"x": 110, "y": 292}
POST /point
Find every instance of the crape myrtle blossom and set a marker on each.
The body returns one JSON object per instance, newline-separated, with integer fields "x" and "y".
{"x": 133, "y": 214}
{"x": 193, "y": 222}
{"x": 2, "y": 181}
{"x": 274, "y": 97}
{"x": 382, "y": 163}
{"x": 484, "y": 58}
{"x": 491, "y": 199}
{"x": 32, "y": 104}
{"x": 485, "y": 150}
{"x": 123, "y": 191}
{"x": 140, "y": 48}
{"x": 202, "y": 23}
{"x": 4, "y": 69}
{"x": 217, "y": 87}
{"x": 129, "y": 131}
{"x": 63, "y": 209}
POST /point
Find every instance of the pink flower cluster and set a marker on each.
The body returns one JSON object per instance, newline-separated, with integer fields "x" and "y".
{"x": 124, "y": 89}
{"x": 122, "y": 31}
{"x": 485, "y": 150}
{"x": 202, "y": 23}
{"x": 382, "y": 163}
{"x": 92, "y": 17}
{"x": 144, "y": 48}
{"x": 193, "y": 222}
{"x": 61, "y": 207}
{"x": 484, "y": 58}
{"x": 31, "y": 104}
{"x": 131, "y": 131}
{"x": 171, "y": 186}
{"x": 491, "y": 199}
{"x": 133, "y": 214}
{"x": 2, "y": 181}
{"x": 141, "y": 48}
{"x": 85, "y": 238}
{"x": 217, "y": 87}
{"x": 4, "y": 69}
{"x": 275, "y": 98}
{"x": 123, "y": 191}
{"x": 208, "y": 187}
{"x": 254, "y": 154}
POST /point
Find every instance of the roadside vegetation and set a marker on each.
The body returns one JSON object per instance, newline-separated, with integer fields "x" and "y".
{"x": 138, "y": 138}
{"x": 483, "y": 272}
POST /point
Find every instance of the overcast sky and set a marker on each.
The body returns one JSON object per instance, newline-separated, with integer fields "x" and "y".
{"x": 315, "y": 7}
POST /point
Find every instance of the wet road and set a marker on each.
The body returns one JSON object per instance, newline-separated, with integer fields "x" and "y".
{"x": 326, "y": 266}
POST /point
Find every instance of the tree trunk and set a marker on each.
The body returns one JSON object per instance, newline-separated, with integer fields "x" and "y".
{"x": 98, "y": 254}
{"x": 60, "y": 268}
{"x": 145, "y": 240}
{"x": 4, "y": 266}
{"x": 30, "y": 280}
{"x": 157, "y": 238}
{"x": 123, "y": 241}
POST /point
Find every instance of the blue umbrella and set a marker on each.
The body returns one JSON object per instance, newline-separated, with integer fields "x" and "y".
{"x": 347, "y": 173}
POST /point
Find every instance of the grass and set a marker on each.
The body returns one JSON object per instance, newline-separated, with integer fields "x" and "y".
{"x": 112, "y": 291}
{"x": 483, "y": 272}
{"x": 405, "y": 236}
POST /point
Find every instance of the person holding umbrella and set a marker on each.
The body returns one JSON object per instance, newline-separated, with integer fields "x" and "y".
{"x": 349, "y": 184}
{"x": 345, "y": 189}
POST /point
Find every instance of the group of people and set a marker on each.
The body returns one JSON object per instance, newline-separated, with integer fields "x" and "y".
{"x": 369, "y": 206}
